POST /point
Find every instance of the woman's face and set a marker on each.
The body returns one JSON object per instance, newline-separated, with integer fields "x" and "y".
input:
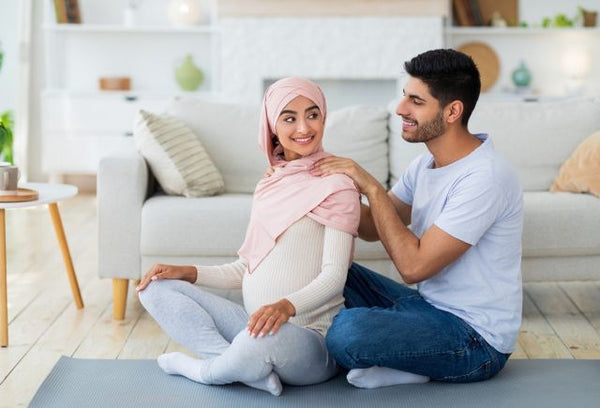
{"x": 299, "y": 128}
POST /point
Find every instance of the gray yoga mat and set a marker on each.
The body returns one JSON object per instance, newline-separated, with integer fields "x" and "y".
{"x": 83, "y": 383}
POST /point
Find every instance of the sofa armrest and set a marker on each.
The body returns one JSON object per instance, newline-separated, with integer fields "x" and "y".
{"x": 122, "y": 188}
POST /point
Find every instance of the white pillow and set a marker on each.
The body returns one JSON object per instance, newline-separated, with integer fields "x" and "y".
{"x": 176, "y": 156}
{"x": 360, "y": 133}
{"x": 229, "y": 132}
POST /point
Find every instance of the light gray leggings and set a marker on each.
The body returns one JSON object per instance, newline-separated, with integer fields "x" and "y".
{"x": 213, "y": 327}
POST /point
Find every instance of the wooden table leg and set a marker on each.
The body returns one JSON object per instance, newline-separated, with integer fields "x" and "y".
{"x": 3, "y": 288}
{"x": 64, "y": 248}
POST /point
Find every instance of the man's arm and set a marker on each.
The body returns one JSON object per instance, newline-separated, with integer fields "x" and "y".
{"x": 415, "y": 259}
{"x": 367, "y": 229}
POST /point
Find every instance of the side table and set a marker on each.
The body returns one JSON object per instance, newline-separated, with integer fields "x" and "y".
{"x": 47, "y": 194}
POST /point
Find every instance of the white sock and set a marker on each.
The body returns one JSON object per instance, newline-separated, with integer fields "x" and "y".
{"x": 197, "y": 370}
{"x": 270, "y": 383}
{"x": 374, "y": 377}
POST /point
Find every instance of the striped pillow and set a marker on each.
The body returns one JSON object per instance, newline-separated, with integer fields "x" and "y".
{"x": 176, "y": 156}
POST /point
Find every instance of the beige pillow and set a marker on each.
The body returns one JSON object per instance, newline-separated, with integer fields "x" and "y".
{"x": 176, "y": 156}
{"x": 580, "y": 173}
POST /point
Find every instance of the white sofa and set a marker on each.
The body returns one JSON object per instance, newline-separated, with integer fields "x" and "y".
{"x": 139, "y": 225}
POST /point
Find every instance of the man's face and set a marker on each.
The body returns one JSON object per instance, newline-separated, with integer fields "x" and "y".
{"x": 422, "y": 117}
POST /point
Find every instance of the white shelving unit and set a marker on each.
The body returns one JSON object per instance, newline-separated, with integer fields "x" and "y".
{"x": 542, "y": 49}
{"x": 81, "y": 123}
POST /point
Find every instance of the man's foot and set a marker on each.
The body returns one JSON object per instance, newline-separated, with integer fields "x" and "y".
{"x": 375, "y": 377}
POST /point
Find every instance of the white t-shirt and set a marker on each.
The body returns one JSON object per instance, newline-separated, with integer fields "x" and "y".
{"x": 478, "y": 200}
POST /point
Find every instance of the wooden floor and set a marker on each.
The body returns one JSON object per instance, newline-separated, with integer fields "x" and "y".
{"x": 561, "y": 320}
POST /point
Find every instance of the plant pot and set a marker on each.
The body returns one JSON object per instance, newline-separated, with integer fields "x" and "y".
{"x": 589, "y": 18}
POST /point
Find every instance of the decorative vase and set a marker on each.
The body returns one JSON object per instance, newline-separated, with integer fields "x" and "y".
{"x": 521, "y": 76}
{"x": 185, "y": 12}
{"x": 188, "y": 75}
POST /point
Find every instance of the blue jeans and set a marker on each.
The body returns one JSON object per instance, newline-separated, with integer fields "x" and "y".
{"x": 389, "y": 324}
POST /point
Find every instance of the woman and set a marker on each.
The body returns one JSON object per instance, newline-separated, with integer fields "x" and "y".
{"x": 292, "y": 266}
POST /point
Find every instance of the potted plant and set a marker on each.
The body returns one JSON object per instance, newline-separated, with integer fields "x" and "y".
{"x": 6, "y": 128}
{"x": 588, "y": 17}
{"x": 6, "y": 136}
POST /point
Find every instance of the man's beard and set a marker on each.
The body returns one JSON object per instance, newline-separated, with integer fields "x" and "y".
{"x": 427, "y": 131}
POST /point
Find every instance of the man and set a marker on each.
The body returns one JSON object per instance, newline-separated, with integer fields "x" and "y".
{"x": 464, "y": 205}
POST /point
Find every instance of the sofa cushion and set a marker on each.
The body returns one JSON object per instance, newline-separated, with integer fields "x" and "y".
{"x": 178, "y": 226}
{"x": 230, "y": 135}
{"x": 581, "y": 172}
{"x": 361, "y": 133}
{"x": 560, "y": 224}
{"x": 535, "y": 137}
{"x": 176, "y": 156}
{"x": 212, "y": 226}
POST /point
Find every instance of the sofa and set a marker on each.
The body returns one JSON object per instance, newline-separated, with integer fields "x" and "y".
{"x": 140, "y": 225}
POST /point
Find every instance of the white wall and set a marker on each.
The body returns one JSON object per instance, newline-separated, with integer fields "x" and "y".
{"x": 9, "y": 18}
{"x": 92, "y": 10}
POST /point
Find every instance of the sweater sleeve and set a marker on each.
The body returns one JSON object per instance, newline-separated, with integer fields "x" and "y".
{"x": 337, "y": 250}
{"x": 227, "y": 276}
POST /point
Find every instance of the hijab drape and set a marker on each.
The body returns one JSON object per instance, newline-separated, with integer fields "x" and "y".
{"x": 291, "y": 192}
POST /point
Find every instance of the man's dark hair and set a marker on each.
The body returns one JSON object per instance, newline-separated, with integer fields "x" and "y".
{"x": 450, "y": 75}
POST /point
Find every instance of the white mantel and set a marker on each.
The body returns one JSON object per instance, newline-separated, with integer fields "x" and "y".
{"x": 296, "y": 8}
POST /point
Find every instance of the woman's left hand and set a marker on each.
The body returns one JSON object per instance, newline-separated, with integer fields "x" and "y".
{"x": 268, "y": 319}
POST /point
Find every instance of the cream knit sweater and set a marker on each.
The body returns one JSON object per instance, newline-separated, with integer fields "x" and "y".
{"x": 307, "y": 266}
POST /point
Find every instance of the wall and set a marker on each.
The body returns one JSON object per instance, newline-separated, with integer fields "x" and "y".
{"x": 9, "y": 18}
{"x": 530, "y": 10}
{"x": 350, "y": 48}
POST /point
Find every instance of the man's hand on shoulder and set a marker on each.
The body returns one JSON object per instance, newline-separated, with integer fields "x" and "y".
{"x": 365, "y": 182}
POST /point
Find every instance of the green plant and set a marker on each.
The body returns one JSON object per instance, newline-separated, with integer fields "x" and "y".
{"x": 6, "y": 136}
{"x": 559, "y": 20}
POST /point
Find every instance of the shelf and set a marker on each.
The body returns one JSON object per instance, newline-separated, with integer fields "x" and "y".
{"x": 519, "y": 30}
{"x": 131, "y": 93}
{"x": 121, "y": 29}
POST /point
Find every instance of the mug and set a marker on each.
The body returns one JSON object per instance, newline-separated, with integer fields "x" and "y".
{"x": 9, "y": 179}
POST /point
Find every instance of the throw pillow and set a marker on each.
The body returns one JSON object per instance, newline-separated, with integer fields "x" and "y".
{"x": 580, "y": 173}
{"x": 176, "y": 156}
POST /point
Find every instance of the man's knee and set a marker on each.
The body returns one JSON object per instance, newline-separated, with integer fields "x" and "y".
{"x": 346, "y": 333}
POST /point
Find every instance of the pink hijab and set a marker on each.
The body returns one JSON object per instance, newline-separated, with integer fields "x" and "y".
{"x": 291, "y": 192}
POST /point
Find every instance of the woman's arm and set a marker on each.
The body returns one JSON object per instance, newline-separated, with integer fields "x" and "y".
{"x": 227, "y": 276}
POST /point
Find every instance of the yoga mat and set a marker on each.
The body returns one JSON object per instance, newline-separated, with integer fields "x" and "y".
{"x": 84, "y": 383}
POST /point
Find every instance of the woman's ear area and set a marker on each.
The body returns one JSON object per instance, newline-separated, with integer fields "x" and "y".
{"x": 454, "y": 111}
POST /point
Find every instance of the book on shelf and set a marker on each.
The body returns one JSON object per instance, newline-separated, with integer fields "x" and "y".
{"x": 468, "y": 13}
{"x": 67, "y": 11}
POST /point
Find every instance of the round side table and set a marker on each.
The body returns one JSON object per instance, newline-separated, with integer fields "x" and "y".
{"x": 49, "y": 194}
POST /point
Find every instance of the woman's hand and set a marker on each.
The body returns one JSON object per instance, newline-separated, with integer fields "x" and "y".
{"x": 365, "y": 183}
{"x": 268, "y": 319}
{"x": 160, "y": 271}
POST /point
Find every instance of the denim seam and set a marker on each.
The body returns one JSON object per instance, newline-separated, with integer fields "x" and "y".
{"x": 470, "y": 373}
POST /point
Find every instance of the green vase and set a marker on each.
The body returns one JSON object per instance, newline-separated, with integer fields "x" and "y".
{"x": 521, "y": 76}
{"x": 188, "y": 75}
